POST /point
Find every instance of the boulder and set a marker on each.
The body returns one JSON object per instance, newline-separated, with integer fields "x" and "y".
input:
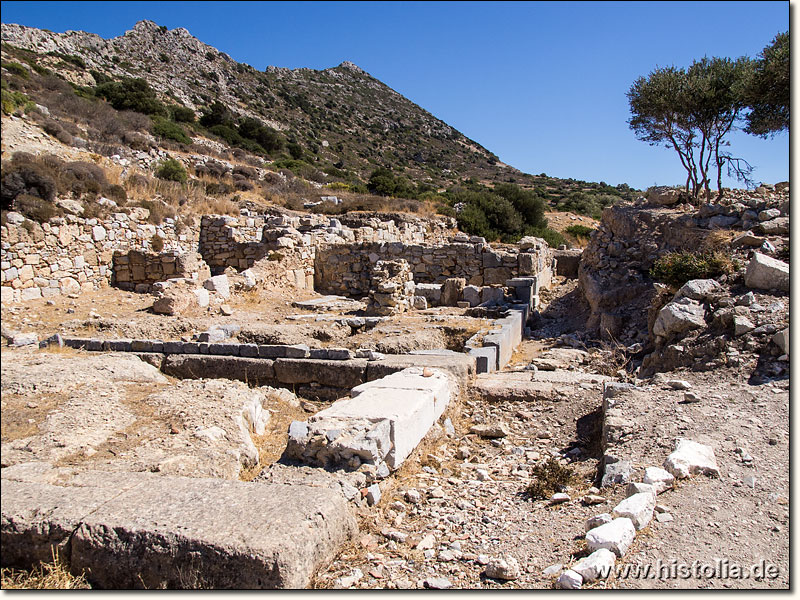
{"x": 698, "y": 289}
{"x": 505, "y": 568}
{"x": 569, "y": 580}
{"x": 664, "y": 195}
{"x": 451, "y": 290}
{"x": 218, "y": 284}
{"x": 782, "y": 340}
{"x": 766, "y": 273}
{"x": 679, "y": 317}
{"x": 176, "y": 300}
{"x": 660, "y": 479}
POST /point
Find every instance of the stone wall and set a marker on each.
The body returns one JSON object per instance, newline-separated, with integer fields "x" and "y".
{"x": 346, "y": 269}
{"x": 136, "y": 270}
{"x": 70, "y": 254}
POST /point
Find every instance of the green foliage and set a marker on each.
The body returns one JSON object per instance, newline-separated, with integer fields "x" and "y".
{"x": 767, "y": 93}
{"x": 16, "y": 69}
{"x": 171, "y": 170}
{"x": 182, "y": 114}
{"x": 692, "y": 111}
{"x": 295, "y": 150}
{"x": 579, "y": 230}
{"x": 131, "y": 94}
{"x": 69, "y": 58}
{"x": 586, "y": 203}
{"x": 227, "y": 133}
{"x": 266, "y": 137}
{"x": 676, "y": 268}
{"x": 99, "y": 77}
{"x": 548, "y": 478}
{"x": 166, "y": 129}
{"x": 13, "y": 101}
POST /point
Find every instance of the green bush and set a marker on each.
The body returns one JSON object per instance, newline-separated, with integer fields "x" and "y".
{"x": 131, "y": 94}
{"x": 16, "y": 69}
{"x": 13, "y": 101}
{"x": 171, "y": 170}
{"x": 182, "y": 114}
{"x": 676, "y": 268}
{"x": 579, "y": 231}
{"x": 169, "y": 130}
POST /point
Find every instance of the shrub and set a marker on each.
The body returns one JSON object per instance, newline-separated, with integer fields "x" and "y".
{"x": 55, "y": 129}
{"x": 579, "y": 230}
{"x": 549, "y": 477}
{"x": 131, "y": 94}
{"x": 13, "y": 101}
{"x": 182, "y": 114}
{"x": 166, "y": 129}
{"x": 22, "y": 176}
{"x": 17, "y": 69}
{"x": 171, "y": 170}
{"x": 35, "y": 208}
{"x": 116, "y": 193}
{"x": 157, "y": 243}
{"x": 676, "y": 268}
{"x": 218, "y": 188}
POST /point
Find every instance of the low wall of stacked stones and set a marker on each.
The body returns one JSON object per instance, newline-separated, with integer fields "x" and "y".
{"x": 346, "y": 269}
{"x": 70, "y": 254}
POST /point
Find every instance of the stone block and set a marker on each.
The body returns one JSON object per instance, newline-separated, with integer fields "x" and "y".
{"x": 333, "y": 373}
{"x": 615, "y": 536}
{"x": 258, "y": 371}
{"x": 223, "y": 349}
{"x": 460, "y": 365}
{"x": 166, "y": 533}
{"x": 638, "y": 508}
{"x": 485, "y": 358}
{"x": 414, "y": 379}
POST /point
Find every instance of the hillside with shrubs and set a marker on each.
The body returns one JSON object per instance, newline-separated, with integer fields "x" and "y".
{"x": 189, "y": 130}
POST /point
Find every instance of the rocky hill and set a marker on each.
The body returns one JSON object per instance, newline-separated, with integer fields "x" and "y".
{"x": 341, "y": 122}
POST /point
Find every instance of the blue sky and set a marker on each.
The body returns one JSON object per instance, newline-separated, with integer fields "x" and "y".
{"x": 540, "y": 84}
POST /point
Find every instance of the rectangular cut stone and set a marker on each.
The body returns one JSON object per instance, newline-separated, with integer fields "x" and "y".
{"x": 412, "y": 380}
{"x": 167, "y": 533}
{"x": 462, "y": 366}
{"x": 485, "y": 358}
{"x": 39, "y": 519}
{"x": 258, "y": 371}
{"x": 333, "y": 373}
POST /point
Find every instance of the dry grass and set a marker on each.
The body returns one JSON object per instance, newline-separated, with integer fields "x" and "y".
{"x": 45, "y": 576}
{"x": 719, "y": 239}
{"x": 272, "y": 442}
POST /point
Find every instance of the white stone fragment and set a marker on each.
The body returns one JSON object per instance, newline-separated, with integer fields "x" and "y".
{"x": 616, "y": 536}
{"x": 597, "y": 520}
{"x": 691, "y": 458}
{"x": 660, "y": 479}
{"x": 570, "y": 580}
{"x": 506, "y": 568}
{"x": 597, "y": 565}
{"x": 638, "y": 508}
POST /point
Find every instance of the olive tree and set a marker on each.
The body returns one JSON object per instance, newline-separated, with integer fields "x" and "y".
{"x": 767, "y": 94}
{"x": 691, "y": 111}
